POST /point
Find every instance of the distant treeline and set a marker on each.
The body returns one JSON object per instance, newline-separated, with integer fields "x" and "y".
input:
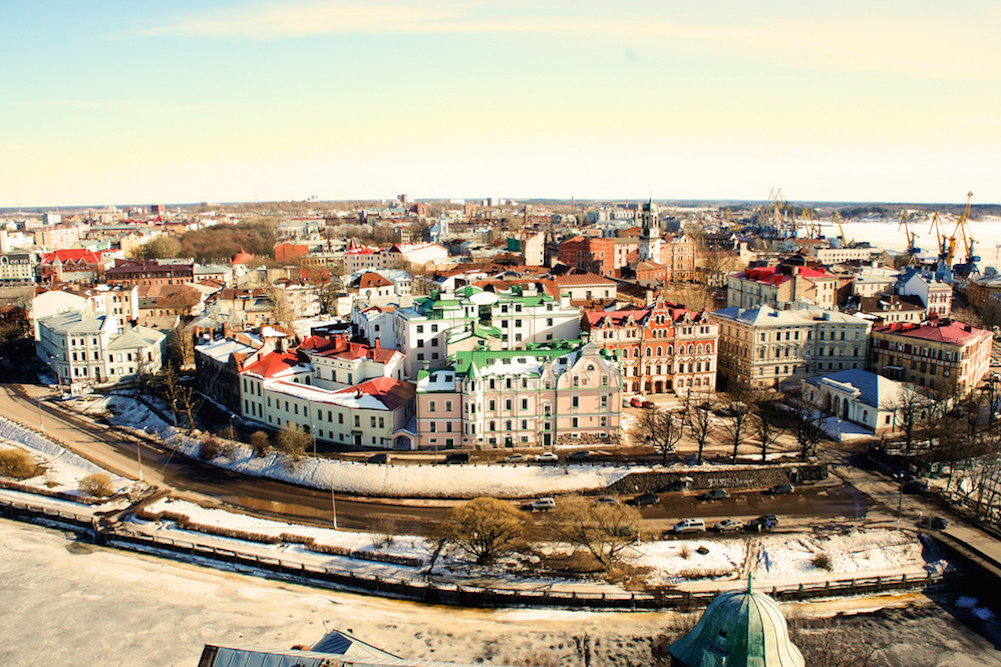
{"x": 221, "y": 242}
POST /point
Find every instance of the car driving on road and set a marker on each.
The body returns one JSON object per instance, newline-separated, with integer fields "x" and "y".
{"x": 645, "y": 500}
{"x": 690, "y": 526}
{"x": 542, "y": 504}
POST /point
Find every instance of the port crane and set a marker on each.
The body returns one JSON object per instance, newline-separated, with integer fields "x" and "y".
{"x": 912, "y": 250}
{"x": 844, "y": 241}
{"x": 969, "y": 265}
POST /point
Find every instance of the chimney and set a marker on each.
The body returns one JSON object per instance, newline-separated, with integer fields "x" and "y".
{"x": 378, "y": 343}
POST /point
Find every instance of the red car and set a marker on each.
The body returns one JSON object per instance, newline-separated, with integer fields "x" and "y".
{"x": 638, "y": 402}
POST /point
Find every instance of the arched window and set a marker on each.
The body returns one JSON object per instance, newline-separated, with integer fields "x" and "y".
{"x": 649, "y": 351}
{"x": 691, "y": 349}
{"x": 660, "y": 351}
{"x": 865, "y": 415}
{"x": 698, "y": 382}
{"x": 670, "y": 350}
{"x": 698, "y": 349}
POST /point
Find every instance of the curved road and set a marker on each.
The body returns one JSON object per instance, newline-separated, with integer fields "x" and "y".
{"x": 208, "y": 485}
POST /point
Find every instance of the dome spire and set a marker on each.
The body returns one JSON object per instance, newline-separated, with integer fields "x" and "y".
{"x": 750, "y": 582}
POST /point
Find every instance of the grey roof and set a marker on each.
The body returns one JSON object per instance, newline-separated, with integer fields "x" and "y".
{"x": 873, "y": 390}
{"x": 74, "y": 322}
{"x": 221, "y": 349}
{"x": 768, "y": 316}
{"x": 137, "y": 337}
{"x": 739, "y": 629}
{"x": 235, "y": 657}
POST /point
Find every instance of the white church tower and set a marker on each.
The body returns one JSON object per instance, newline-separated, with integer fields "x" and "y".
{"x": 649, "y": 250}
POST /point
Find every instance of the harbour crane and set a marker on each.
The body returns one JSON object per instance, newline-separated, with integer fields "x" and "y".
{"x": 844, "y": 241}
{"x": 912, "y": 250}
{"x": 969, "y": 264}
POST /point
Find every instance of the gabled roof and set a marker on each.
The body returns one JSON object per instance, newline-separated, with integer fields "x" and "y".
{"x": 874, "y": 390}
{"x": 941, "y": 330}
{"x": 389, "y": 391}
{"x": 76, "y": 255}
{"x": 276, "y": 364}
{"x": 370, "y": 279}
{"x": 583, "y": 279}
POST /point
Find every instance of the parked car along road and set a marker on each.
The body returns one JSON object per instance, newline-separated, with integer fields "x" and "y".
{"x": 728, "y": 524}
{"x": 764, "y": 522}
{"x": 378, "y": 458}
{"x": 515, "y": 458}
{"x": 457, "y": 457}
{"x": 781, "y": 489}
{"x": 542, "y": 504}
{"x": 715, "y": 494}
{"x": 690, "y": 526}
{"x": 640, "y": 402}
{"x": 645, "y": 500}
{"x": 546, "y": 457}
{"x": 579, "y": 455}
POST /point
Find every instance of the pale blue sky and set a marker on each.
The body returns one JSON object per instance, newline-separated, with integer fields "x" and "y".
{"x": 122, "y": 102}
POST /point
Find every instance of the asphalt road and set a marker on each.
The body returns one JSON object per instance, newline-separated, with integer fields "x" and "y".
{"x": 208, "y": 485}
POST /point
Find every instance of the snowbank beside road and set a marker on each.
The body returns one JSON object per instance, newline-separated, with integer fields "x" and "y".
{"x": 395, "y": 481}
{"x": 62, "y": 469}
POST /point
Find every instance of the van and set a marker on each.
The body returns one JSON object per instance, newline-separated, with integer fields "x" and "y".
{"x": 690, "y": 526}
{"x": 542, "y": 504}
{"x": 457, "y": 457}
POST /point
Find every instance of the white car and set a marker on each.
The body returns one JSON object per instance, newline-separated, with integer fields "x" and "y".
{"x": 547, "y": 457}
{"x": 515, "y": 458}
{"x": 542, "y": 504}
{"x": 690, "y": 526}
{"x": 728, "y": 524}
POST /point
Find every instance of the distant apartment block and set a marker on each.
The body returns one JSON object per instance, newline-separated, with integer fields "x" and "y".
{"x": 781, "y": 287}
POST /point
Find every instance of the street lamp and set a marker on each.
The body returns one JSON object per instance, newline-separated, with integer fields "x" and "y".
{"x": 333, "y": 503}
{"x": 38, "y": 404}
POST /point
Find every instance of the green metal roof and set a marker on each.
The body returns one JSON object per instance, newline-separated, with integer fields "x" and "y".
{"x": 739, "y": 629}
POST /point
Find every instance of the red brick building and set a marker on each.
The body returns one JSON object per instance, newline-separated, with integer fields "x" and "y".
{"x": 664, "y": 348}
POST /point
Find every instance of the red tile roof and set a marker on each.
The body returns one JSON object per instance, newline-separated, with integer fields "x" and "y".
{"x": 771, "y": 275}
{"x": 942, "y": 330}
{"x": 73, "y": 255}
{"x": 271, "y": 365}
{"x": 392, "y": 392}
{"x": 582, "y": 279}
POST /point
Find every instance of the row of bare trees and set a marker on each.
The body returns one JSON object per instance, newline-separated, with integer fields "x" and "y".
{"x": 733, "y": 417}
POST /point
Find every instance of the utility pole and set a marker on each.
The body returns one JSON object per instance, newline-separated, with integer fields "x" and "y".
{"x": 38, "y": 404}
{"x": 139, "y": 458}
{"x": 333, "y": 503}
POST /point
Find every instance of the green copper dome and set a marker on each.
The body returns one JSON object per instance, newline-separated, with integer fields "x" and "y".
{"x": 740, "y": 628}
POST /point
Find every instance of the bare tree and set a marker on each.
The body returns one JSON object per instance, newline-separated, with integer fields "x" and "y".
{"x": 737, "y": 405}
{"x": 181, "y": 346}
{"x": 604, "y": 530}
{"x": 909, "y": 413}
{"x": 484, "y": 528}
{"x": 293, "y": 441}
{"x": 260, "y": 443}
{"x": 283, "y": 310}
{"x": 768, "y": 422}
{"x": 658, "y": 428}
{"x": 806, "y": 424}
{"x": 699, "y": 416}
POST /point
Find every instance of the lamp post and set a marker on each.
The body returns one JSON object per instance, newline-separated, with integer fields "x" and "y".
{"x": 38, "y": 404}
{"x": 139, "y": 458}
{"x": 333, "y": 503}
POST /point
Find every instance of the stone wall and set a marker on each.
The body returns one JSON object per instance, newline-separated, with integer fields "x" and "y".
{"x": 718, "y": 477}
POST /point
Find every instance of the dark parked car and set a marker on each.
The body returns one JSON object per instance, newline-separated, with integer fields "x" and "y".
{"x": 457, "y": 457}
{"x": 933, "y": 523}
{"x": 579, "y": 455}
{"x": 715, "y": 494}
{"x": 764, "y": 522}
{"x": 607, "y": 500}
{"x": 915, "y": 486}
{"x": 645, "y": 500}
{"x": 781, "y": 489}
{"x": 378, "y": 458}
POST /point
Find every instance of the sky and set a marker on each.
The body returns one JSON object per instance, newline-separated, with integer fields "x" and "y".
{"x": 115, "y": 101}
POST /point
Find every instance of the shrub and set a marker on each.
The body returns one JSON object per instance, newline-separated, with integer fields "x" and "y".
{"x": 822, "y": 561}
{"x": 210, "y": 449}
{"x": 260, "y": 443}
{"x": 685, "y": 552}
{"x": 97, "y": 485}
{"x": 18, "y": 464}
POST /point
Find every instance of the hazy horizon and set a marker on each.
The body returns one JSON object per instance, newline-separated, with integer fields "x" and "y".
{"x": 244, "y": 100}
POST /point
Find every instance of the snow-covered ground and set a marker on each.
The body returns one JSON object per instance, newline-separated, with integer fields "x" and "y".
{"x": 60, "y": 470}
{"x": 400, "y": 481}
